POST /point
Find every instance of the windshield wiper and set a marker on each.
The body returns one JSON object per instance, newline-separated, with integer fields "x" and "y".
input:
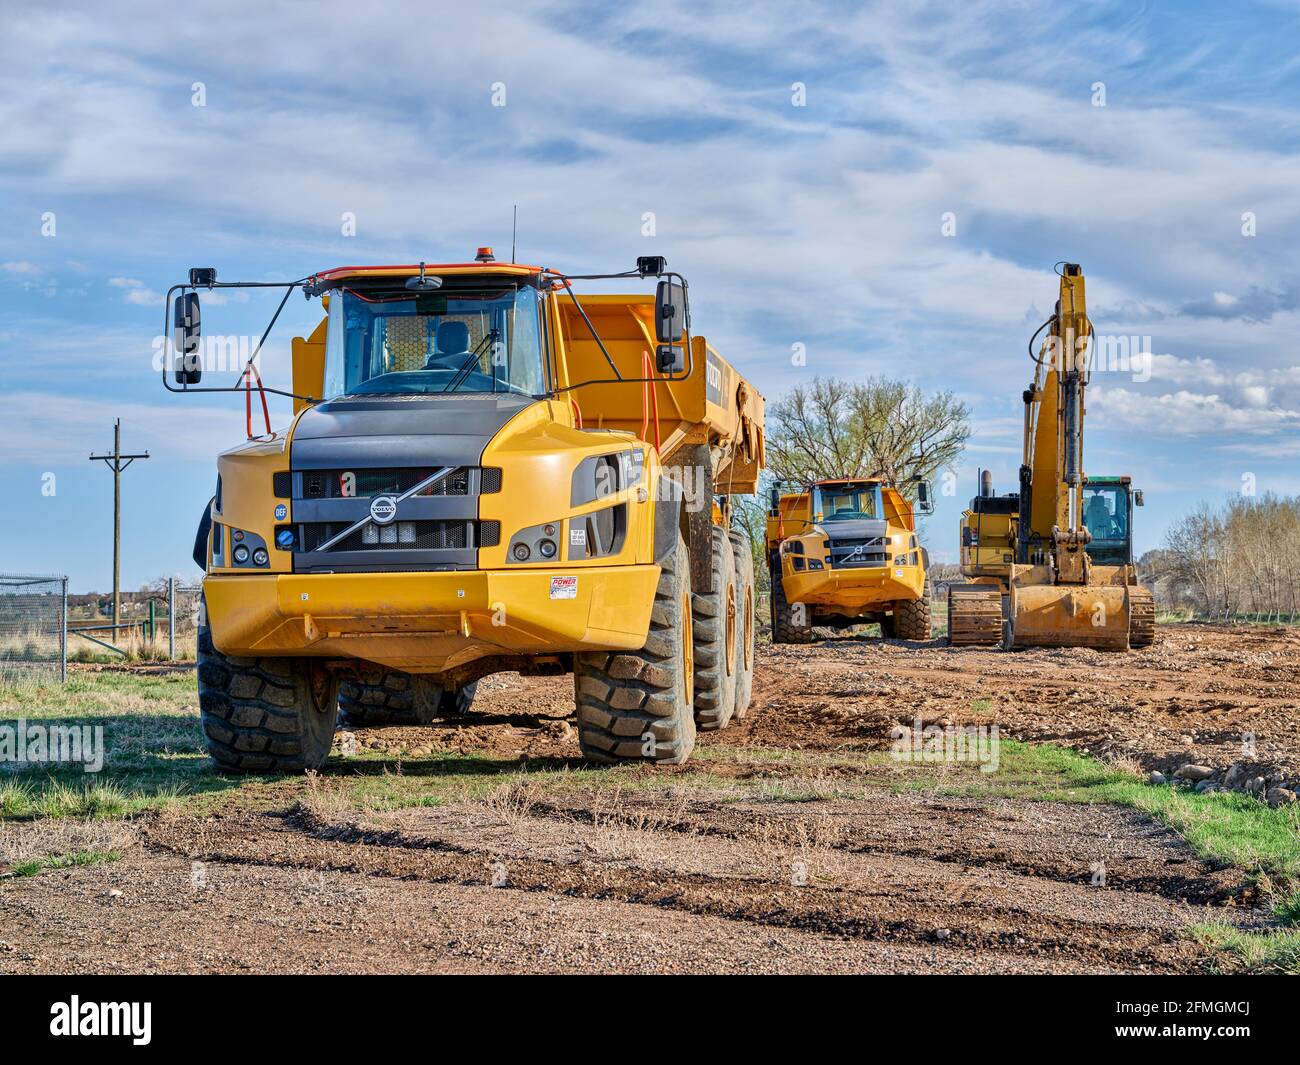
{"x": 471, "y": 360}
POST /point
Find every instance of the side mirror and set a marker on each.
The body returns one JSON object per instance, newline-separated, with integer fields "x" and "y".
{"x": 671, "y": 319}
{"x": 924, "y": 500}
{"x": 774, "y": 502}
{"x": 185, "y": 339}
{"x": 671, "y": 358}
{"x": 1137, "y": 497}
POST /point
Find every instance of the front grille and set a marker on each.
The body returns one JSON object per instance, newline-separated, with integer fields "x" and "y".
{"x": 365, "y": 484}
{"x": 398, "y": 536}
{"x": 857, "y": 552}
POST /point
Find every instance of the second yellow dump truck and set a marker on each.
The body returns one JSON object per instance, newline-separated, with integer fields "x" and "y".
{"x": 844, "y": 553}
{"x": 484, "y": 473}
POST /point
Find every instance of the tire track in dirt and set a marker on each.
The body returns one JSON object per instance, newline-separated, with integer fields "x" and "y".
{"x": 876, "y": 897}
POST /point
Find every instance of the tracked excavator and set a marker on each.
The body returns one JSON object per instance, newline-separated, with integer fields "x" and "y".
{"x": 1052, "y": 564}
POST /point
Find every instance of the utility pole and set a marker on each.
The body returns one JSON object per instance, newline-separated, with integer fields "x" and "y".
{"x": 117, "y": 462}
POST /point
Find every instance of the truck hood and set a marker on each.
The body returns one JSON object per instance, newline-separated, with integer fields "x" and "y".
{"x": 862, "y": 529}
{"x": 382, "y": 431}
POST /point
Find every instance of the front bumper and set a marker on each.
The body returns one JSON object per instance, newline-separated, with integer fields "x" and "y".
{"x": 848, "y": 591}
{"x": 431, "y": 622}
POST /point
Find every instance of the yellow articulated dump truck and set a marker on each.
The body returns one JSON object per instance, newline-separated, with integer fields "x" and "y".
{"x": 844, "y": 553}
{"x": 1052, "y": 564}
{"x": 484, "y": 472}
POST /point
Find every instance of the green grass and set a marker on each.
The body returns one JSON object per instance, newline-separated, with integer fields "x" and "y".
{"x": 65, "y": 861}
{"x": 153, "y": 746}
{"x": 1225, "y": 827}
{"x": 1272, "y": 952}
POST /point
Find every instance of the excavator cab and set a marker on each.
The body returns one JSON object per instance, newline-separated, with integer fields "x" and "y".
{"x": 1107, "y": 505}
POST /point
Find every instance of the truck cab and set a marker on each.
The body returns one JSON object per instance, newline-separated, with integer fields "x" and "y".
{"x": 845, "y": 552}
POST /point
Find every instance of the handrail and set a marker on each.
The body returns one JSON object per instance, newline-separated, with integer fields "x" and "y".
{"x": 649, "y": 397}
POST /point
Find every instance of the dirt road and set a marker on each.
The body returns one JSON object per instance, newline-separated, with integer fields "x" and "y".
{"x": 769, "y": 853}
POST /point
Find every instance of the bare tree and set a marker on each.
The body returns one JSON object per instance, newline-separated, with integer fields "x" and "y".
{"x": 880, "y": 427}
{"x": 1242, "y": 557}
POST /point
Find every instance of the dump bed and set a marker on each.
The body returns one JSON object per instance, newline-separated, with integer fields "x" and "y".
{"x": 712, "y": 405}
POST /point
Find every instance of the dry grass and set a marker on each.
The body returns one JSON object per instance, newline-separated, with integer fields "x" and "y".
{"x": 29, "y": 848}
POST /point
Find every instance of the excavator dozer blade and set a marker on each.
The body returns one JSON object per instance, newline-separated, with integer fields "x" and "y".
{"x": 1055, "y": 615}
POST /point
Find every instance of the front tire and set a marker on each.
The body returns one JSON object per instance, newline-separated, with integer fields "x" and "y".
{"x": 265, "y": 715}
{"x": 635, "y": 706}
{"x": 790, "y": 623}
{"x": 912, "y": 619}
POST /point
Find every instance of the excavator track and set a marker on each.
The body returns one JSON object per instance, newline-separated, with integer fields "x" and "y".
{"x": 974, "y": 616}
{"x": 1142, "y": 618}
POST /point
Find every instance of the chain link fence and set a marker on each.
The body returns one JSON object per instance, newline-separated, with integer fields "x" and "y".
{"x": 33, "y": 627}
{"x": 183, "y": 619}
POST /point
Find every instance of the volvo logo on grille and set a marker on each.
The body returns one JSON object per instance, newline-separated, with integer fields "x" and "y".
{"x": 383, "y": 509}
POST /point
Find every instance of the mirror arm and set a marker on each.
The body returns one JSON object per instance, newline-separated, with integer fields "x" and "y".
{"x": 288, "y": 286}
{"x": 590, "y": 328}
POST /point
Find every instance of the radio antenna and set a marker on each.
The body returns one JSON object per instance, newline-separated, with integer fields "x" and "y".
{"x": 514, "y": 231}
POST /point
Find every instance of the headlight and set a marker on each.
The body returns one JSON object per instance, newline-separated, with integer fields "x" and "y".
{"x": 248, "y": 549}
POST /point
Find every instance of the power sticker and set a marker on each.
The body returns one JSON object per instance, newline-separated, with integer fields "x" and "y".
{"x": 564, "y": 587}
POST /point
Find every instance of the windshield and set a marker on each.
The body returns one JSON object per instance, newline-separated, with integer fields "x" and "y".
{"x": 1105, "y": 512}
{"x": 847, "y": 502}
{"x": 466, "y": 340}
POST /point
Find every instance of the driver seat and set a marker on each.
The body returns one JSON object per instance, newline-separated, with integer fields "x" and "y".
{"x": 1097, "y": 518}
{"x": 452, "y": 342}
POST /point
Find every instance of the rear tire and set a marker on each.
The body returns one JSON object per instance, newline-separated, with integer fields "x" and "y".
{"x": 912, "y": 619}
{"x": 635, "y": 706}
{"x": 715, "y": 619}
{"x": 265, "y": 715}
{"x": 398, "y": 698}
{"x": 786, "y": 626}
{"x": 744, "y": 558}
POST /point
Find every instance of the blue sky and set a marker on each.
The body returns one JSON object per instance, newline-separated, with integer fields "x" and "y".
{"x": 819, "y": 225}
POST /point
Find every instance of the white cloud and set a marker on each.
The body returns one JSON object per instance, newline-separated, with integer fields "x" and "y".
{"x": 137, "y": 292}
{"x": 55, "y": 428}
{"x": 1186, "y": 414}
